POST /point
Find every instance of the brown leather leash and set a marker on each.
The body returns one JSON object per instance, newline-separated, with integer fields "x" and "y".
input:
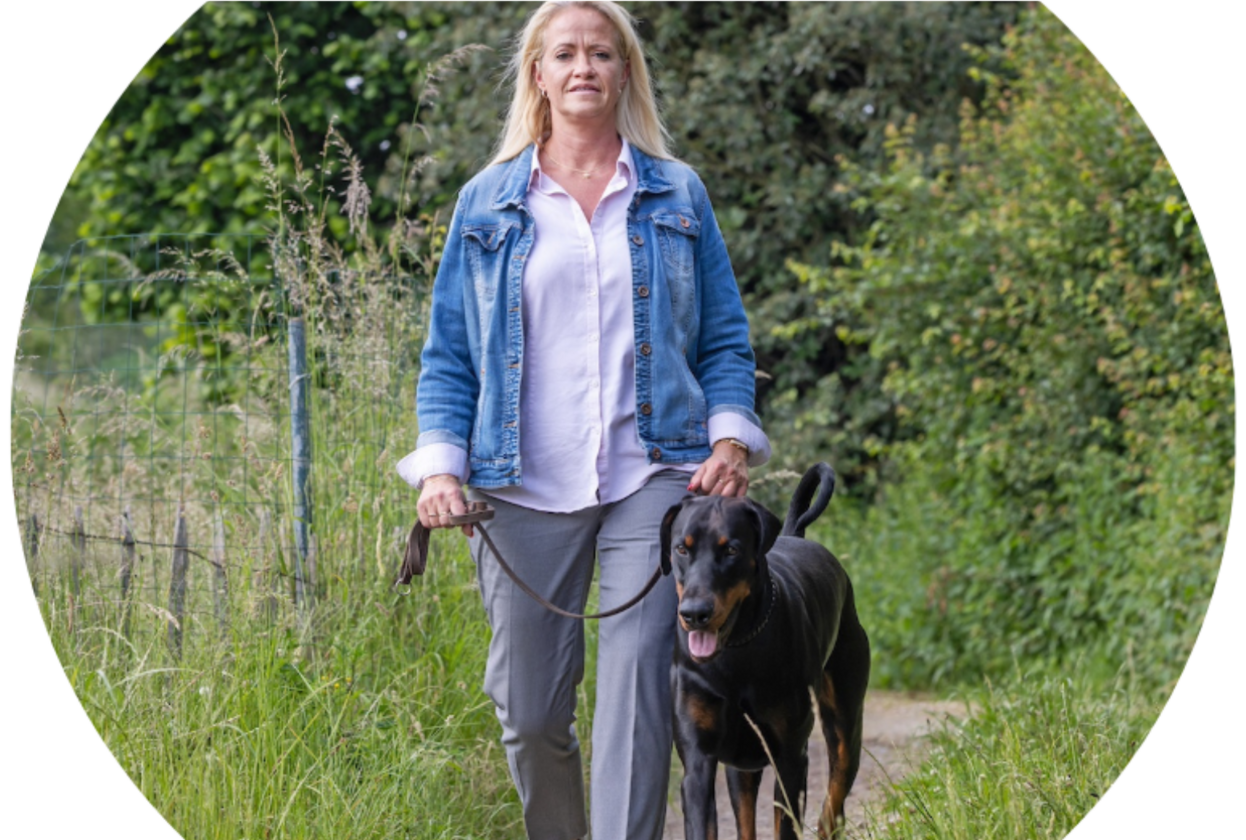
{"x": 416, "y": 558}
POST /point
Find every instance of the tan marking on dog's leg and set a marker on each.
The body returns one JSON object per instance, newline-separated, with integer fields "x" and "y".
{"x": 826, "y": 692}
{"x": 837, "y": 786}
{"x": 836, "y": 792}
{"x": 744, "y": 803}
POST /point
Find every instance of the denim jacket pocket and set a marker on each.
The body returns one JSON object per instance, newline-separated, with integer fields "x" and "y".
{"x": 677, "y": 232}
{"x": 486, "y": 256}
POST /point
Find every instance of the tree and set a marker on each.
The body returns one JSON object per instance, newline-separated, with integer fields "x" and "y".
{"x": 177, "y": 147}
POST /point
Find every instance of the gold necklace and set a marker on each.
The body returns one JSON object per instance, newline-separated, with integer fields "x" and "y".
{"x": 583, "y": 173}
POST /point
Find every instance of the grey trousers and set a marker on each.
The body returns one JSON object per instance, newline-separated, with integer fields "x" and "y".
{"x": 536, "y": 661}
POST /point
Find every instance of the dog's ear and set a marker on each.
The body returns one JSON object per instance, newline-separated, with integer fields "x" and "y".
{"x": 667, "y": 522}
{"x": 768, "y": 527}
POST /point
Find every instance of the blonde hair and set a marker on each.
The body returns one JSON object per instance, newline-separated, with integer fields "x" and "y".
{"x": 528, "y": 118}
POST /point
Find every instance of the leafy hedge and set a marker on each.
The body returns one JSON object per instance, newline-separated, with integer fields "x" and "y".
{"x": 1038, "y": 312}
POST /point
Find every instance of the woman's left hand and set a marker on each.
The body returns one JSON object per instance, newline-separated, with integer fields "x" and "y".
{"x": 724, "y": 473}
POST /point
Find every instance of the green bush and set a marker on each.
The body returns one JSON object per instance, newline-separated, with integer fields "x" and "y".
{"x": 1040, "y": 313}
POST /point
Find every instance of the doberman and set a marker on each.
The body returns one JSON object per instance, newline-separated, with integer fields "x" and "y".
{"x": 767, "y": 622}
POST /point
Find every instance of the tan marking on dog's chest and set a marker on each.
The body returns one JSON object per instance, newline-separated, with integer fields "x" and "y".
{"x": 704, "y": 715}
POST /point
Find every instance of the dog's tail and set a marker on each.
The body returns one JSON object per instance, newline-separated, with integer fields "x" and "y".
{"x": 800, "y": 514}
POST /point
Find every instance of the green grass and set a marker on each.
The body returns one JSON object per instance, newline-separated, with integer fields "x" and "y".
{"x": 1034, "y": 758}
{"x": 370, "y": 723}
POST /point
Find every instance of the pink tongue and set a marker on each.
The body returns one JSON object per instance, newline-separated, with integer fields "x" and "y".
{"x": 701, "y": 643}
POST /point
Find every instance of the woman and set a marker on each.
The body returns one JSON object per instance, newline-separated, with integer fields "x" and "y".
{"x": 587, "y": 366}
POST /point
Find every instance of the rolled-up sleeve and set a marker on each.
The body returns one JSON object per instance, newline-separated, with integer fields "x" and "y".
{"x": 434, "y": 459}
{"x": 729, "y": 424}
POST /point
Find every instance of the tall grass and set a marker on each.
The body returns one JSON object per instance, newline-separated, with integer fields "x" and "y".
{"x": 1032, "y": 760}
{"x": 360, "y": 716}
{"x": 370, "y": 725}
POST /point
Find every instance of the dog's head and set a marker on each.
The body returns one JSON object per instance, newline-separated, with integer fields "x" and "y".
{"x": 716, "y": 548}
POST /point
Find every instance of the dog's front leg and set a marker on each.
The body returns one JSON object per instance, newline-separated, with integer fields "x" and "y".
{"x": 697, "y": 795}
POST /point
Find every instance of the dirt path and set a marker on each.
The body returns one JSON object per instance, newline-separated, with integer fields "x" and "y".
{"x": 893, "y": 744}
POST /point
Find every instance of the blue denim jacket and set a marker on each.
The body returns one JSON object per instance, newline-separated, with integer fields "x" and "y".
{"x": 693, "y": 358}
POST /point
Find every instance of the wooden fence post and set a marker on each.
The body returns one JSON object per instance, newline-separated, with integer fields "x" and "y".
{"x": 220, "y": 582}
{"x": 312, "y": 550}
{"x": 177, "y": 586}
{"x": 32, "y": 542}
{"x": 262, "y": 583}
{"x": 127, "y": 569}
{"x": 78, "y": 561}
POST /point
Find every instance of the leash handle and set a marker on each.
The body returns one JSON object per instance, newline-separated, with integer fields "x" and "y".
{"x": 476, "y": 512}
{"x": 415, "y": 558}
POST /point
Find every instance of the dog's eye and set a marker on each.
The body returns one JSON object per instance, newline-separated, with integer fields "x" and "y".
{"x": 681, "y": 550}
{"x": 732, "y": 551}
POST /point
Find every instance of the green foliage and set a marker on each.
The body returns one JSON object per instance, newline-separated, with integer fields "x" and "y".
{"x": 951, "y": 591}
{"x": 1032, "y": 760}
{"x": 179, "y": 150}
{"x": 1040, "y": 311}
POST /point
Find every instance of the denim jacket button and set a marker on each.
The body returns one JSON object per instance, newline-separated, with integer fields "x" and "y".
{"x": 638, "y": 239}
{"x": 657, "y": 454}
{"x": 684, "y": 222}
{"x": 645, "y": 349}
{"x": 646, "y": 410}
{"x": 643, "y": 291}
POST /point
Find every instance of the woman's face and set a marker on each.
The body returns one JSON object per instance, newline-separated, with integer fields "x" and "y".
{"x": 581, "y": 69}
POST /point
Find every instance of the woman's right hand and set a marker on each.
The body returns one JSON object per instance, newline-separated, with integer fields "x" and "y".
{"x": 441, "y": 497}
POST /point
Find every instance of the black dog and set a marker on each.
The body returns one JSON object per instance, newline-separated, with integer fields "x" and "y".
{"x": 767, "y": 622}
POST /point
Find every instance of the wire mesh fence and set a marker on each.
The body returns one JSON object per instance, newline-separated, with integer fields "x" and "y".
{"x": 153, "y": 417}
